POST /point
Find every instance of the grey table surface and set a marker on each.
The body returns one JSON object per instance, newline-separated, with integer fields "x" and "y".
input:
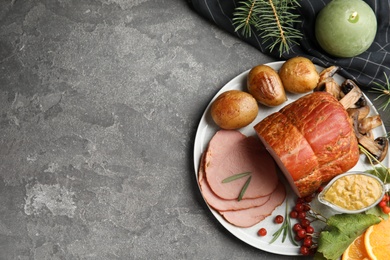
{"x": 99, "y": 106}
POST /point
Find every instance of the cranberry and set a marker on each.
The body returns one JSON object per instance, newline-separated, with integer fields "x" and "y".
{"x": 279, "y": 219}
{"x": 304, "y": 250}
{"x": 293, "y": 214}
{"x": 297, "y": 227}
{"x": 309, "y": 230}
{"x": 307, "y": 241}
{"x": 299, "y": 207}
{"x": 301, "y": 233}
{"x": 262, "y": 232}
{"x": 305, "y": 222}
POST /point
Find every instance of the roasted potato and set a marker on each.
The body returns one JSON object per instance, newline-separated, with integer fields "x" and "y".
{"x": 299, "y": 75}
{"x": 264, "y": 84}
{"x": 234, "y": 109}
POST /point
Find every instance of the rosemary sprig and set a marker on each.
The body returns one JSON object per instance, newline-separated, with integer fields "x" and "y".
{"x": 285, "y": 229}
{"x": 384, "y": 93}
{"x": 244, "y": 188}
{"x": 236, "y": 177}
{"x": 273, "y": 20}
{"x": 239, "y": 176}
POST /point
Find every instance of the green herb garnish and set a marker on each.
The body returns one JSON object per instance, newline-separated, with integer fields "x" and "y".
{"x": 244, "y": 188}
{"x": 236, "y": 177}
{"x": 239, "y": 176}
{"x": 285, "y": 229}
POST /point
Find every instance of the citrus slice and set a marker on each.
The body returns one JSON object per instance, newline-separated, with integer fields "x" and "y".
{"x": 377, "y": 240}
{"x": 356, "y": 250}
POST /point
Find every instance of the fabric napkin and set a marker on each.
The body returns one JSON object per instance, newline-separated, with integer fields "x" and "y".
{"x": 365, "y": 69}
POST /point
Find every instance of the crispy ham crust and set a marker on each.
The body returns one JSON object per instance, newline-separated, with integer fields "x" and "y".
{"x": 312, "y": 140}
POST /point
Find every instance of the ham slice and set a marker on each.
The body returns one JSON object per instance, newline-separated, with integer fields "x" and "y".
{"x": 221, "y": 204}
{"x": 249, "y": 217}
{"x": 230, "y": 153}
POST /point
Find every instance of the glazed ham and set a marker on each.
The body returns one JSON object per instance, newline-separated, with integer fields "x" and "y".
{"x": 229, "y": 152}
{"x": 312, "y": 140}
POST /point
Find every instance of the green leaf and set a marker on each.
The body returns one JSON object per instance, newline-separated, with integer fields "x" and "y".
{"x": 244, "y": 188}
{"x": 381, "y": 172}
{"x": 342, "y": 230}
{"x": 378, "y": 212}
{"x": 236, "y": 177}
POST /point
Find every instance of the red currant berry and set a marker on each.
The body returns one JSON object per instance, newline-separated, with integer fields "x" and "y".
{"x": 299, "y": 207}
{"x": 309, "y": 198}
{"x": 301, "y": 215}
{"x": 386, "y": 209}
{"x": 309, "y": 230}
{"x": 301, "y": 233}
{"x": 382, "y": 204}
{"x": 293, "y": 214}
{"x": 304, "y": 250}
{"x": 262, "y": 232}
{"x": 297, "y": 227}
{"x": 306, "y": 207}
{"x": 279, "y": 219}
{"x": 305, "y": 222}
{"x": 307, "y": 241}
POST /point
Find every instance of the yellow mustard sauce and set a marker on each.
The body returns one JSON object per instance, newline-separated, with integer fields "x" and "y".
{"x": 354, "y": 192}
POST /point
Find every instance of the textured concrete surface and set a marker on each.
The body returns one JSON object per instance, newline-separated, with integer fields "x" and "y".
{"x": 99, "y": 104}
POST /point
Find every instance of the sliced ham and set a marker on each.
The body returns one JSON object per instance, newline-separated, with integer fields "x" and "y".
{"x": 221, "y": 204}
{"x": 249, "y": 217}
{"x": 230, "y": 153}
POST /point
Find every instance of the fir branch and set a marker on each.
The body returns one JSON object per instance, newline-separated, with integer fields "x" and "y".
{"x": 273, "y": 20}
{"x": 384, "y": 93}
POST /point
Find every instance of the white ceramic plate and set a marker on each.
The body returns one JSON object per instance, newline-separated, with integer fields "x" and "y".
{"x": 207, "y": 128}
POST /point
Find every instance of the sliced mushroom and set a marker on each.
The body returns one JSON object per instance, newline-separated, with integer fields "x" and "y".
{"x": 368, "y": 123}
{"x": 354, "y": 116}
{"x": 328, "y": 73}
{"x": 327, "y": 83}
{"x": 378, "y": 147}
{"x": 363, "y": 111}
{"x": 331, "y": 86}
{"x": 370, "y": 134}
{"x": 353, "y": 95}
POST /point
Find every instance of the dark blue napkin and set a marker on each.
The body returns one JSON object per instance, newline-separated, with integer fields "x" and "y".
{"x": 365, "y": 69}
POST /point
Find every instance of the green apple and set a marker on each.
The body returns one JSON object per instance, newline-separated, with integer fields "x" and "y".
{"x": 346, "y": 28}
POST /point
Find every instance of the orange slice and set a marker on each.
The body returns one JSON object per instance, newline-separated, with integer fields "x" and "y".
{"x": 356, "y": 250}
{"x": 377, "y": 240}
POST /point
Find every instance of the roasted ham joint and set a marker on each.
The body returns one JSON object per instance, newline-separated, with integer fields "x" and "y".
{"x": 312, "y": 140}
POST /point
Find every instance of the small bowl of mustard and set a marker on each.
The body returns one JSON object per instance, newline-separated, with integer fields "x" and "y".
{"x": 353, "y": 192}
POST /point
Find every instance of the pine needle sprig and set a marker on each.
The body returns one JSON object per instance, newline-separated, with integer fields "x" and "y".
{"x": 384, "y": 93}
{"x": 273, "y": 19}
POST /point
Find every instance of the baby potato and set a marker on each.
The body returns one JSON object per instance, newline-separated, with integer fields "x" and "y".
{"x": 264, "y": 84}
{"x": 299, "y": 75}
{"x": 234, "y": 109}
